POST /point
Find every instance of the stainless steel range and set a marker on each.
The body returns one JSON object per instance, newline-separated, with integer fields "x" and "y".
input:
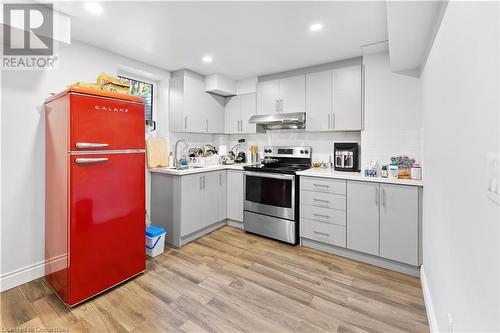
{"x": 271, "y": 204}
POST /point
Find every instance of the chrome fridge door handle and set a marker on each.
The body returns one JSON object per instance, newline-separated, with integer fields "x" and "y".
{"x": 90, "y": 160}
{"x": 86, "y": 145}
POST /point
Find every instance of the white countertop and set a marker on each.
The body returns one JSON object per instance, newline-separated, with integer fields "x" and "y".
{"x": 325, "y": 173}
{"x": 205, "y": 168}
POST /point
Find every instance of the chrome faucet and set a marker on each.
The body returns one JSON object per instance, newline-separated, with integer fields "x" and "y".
{"x": 176, "y": 160}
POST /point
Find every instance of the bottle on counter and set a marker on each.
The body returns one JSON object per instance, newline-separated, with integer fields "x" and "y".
{"x": 393, "y": 170}
{"x": 384, "y": 172}
{"x": 416, "y": 171}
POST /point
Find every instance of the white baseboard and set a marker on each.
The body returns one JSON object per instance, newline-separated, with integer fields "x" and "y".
{"x": 235, "y": 224}
{"x": 32, "y": 272}
{"x": 429, "y": 307}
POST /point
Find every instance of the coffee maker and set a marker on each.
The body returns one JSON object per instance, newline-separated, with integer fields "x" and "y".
{"x": 346, "y": 156}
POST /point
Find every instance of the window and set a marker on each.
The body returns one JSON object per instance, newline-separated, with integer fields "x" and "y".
{"x": 144, "y": 90}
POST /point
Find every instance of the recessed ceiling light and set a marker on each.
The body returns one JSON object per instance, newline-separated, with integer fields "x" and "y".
{"x": 316, "y": 27}
{"x": 93, "y": 7}
{"x": 207, "y": 59}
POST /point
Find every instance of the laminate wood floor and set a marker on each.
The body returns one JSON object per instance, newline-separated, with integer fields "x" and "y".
{"x": 231, "y": 281}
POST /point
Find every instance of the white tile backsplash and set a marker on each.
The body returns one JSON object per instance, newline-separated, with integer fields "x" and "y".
{"x": 321, "y": 143}
{"x": 381, "y": 145}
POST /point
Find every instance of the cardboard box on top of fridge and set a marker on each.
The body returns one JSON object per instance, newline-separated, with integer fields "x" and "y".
{"x": 113, "y": 83}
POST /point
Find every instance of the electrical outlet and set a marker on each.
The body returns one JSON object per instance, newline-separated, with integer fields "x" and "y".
{"x": 450, "y": 323}
{"x": 493, "y": 176}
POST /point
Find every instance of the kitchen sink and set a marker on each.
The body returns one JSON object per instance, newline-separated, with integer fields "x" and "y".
{"x": 188, "y": 167}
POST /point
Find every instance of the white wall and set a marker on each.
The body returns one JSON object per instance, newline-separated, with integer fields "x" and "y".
{"x": 461, "y": 120}
{"x": 393, "y": 113}
{"x": 22, "y": 139}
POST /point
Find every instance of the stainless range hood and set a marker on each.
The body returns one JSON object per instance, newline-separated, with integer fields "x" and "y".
{"x": 274, "y": 121}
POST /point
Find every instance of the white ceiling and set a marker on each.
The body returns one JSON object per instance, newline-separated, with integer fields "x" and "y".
{"x": 246, "y": 39}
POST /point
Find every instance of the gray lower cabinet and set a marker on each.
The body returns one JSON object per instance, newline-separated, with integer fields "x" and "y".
{"x": 383, "y": 220}
{"x": 399, "y": 216}
{"x": 373, "y": 219}
{"x": 363, "y": 217}
{"x": 188, "y": 206}
{"x": 235, "y": 193}
{"x": 191, "y": 204}
{"x": 323, "y": 210}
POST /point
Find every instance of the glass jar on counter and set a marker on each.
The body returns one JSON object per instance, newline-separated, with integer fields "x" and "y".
{"x": 403, "y": 172}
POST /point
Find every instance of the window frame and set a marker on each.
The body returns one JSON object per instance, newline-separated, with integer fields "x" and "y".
{"x": 154, "y": 85}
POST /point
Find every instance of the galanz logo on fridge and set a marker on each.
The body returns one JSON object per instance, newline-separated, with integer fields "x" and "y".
{"x": 109, "y": 108}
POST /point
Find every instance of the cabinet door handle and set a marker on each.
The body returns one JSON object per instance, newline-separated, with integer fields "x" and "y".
{"x": 281, "y": 105}
{"x": 241, "y": 125}
{"x": 206, "y": 125}
{"x": 321, "y": 185}
{"x": 277, "y": 106}
{"x": 220, "y": 179}
{"x": 321, "y": 233}
{"x": 333, "y": 120}
{"x": 185, "y": 123}
{"x": 91, "y": 160}
{"x": 377, "y": 196}
{"x": 321, "y": 215}
{"x": 329, "y": 121}
{"x": 384, "y": 199}
{"x": 321, "y": 200}
{"x": 201, "y": 183}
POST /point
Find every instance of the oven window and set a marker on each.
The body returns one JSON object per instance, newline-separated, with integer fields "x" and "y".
{"x": 269, "y": 191}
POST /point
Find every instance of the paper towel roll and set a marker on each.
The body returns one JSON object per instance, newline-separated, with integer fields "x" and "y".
{"x": 222, "y": 150}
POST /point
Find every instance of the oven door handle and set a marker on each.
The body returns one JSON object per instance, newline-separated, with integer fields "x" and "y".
{"x": 270, "y": 175}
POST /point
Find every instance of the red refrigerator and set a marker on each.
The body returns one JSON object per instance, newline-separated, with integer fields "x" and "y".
{"x": 94, "y": 191}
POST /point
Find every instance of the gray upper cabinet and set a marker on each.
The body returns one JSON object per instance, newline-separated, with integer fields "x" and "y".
{"x": 248, "y": 109}
{"x": 268, "y": 95}
{"x": 347, "y": 103}
{"x": 363, "y": 217}
{"x": 399, "y": 218}
{"x": 282, "y": 95}
{"x": 191, "y": 108}
{"x": 233, "y": 115}
{"x": 239, "y": 109}
{"x": 334, "y": 100}
{"x": 319, "y": 101}
{"x": 293, "y": 94}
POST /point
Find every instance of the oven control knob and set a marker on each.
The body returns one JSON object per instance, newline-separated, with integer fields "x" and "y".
{"x": 307, "y": 151}
{"x": 301, "y": 151}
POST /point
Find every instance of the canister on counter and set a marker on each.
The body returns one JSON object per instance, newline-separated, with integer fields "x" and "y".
{"x": 416, "y": 171}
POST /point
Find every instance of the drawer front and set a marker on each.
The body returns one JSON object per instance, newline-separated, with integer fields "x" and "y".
{"x": 332, "y": 216}
{"x": 323, "y": 185}
{"x": 323, "y": 232}
{"x": 325, "y": 200}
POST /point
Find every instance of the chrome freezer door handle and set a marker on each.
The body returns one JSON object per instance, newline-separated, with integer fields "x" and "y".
{"x": 90, "y": 160}
{"x": 86, "y": 145}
